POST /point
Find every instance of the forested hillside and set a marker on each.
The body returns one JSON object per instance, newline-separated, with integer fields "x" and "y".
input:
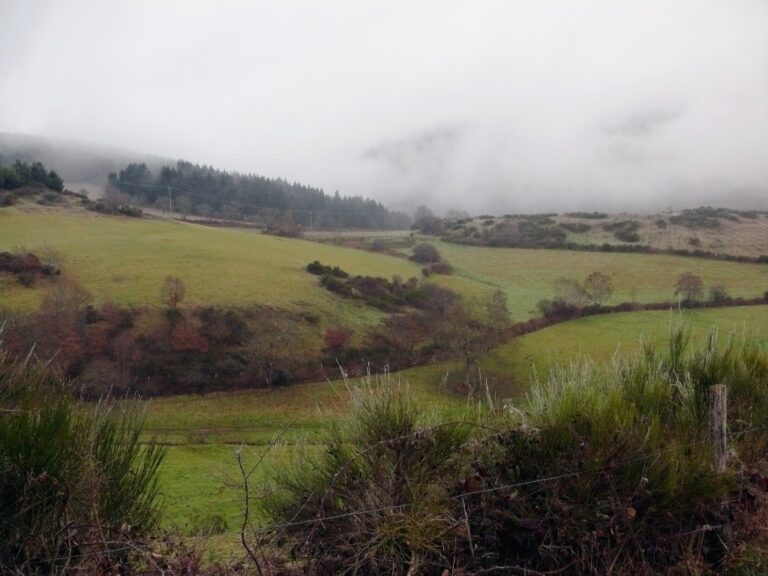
{"x": 21, "y": 174}
{"x": 207, "y": 191}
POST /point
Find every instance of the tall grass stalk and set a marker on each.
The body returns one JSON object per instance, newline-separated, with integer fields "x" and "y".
{"x": 74, "y": 479}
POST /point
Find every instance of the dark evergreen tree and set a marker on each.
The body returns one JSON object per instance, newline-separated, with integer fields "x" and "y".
{"x": 213, "y": 192}
{"x": 23, "y": 174}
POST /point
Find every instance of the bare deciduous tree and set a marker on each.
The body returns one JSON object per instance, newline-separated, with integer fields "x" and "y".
{"x": 173, "y": 292}
{"x": 598, "y": 286}
{"x": 689, "y": 287}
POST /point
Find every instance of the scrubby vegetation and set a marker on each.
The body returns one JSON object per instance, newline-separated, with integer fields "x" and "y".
{"x": 625, "y": 230}
{"x": 27, "y": 267}
{"x": 575, "y": 227}
{"x": 588, "y": 215}
{"x": 77, "y": 487}
{"x": 111, "y": 209}
{"x": 601, "y": 469}
{"x": 724, "y": 233}
{"x": 427, "y": 254}
{"x": 708, "y": 217}
{"x": 164, "y": 351}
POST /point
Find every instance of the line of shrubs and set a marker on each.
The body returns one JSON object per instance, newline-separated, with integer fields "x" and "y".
{"x": 426, "y": 254}
{"x": 556, "y": 310}
{"x": 388, "y": 295}
{"x": 26, "y": 267}
{"x": 620, "y": 248}
{"x": 111, "y": 209}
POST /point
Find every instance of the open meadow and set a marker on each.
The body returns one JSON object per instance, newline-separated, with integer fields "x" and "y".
{"x": 229, "y": 267}
{"x": 125, "y": 260}
{"x": 528, "y": 275}
{"x": 200, "y": 476}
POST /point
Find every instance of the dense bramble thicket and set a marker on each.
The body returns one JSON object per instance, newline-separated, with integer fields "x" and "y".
{"x": 602, "y": 469}
{"x": 206, "y": 191}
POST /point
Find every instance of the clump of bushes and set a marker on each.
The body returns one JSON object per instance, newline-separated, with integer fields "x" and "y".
{"x": 441, "y": 267}
{"x": 336, "y": 284}
{"x": 525, "y": 231}
{"x": 427, "y": 254}
{"x": 703, "y": 217}
{"x": 719, "y": 294}
{"x": 319, "y": 269}
{"x": 376, "y": 291}
{"x": 625, "y": 230}
{"x": 26, "y": 267}
{"x": 575, "y": 227}
{"x": 111, "y": 209}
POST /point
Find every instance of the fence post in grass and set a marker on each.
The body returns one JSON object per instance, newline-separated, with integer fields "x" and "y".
{"x": 718, "y": 414}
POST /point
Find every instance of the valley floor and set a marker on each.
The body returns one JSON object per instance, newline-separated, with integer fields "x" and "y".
{"x": 200, "y": 476}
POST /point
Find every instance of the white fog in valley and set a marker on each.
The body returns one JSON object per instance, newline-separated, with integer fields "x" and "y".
{"x": 510, "y": 106}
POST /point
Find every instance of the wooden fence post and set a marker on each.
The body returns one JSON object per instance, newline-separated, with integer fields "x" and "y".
{"x": 718, "y": 422}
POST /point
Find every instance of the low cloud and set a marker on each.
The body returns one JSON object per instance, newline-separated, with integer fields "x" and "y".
{"x": 643, "y": 124}
{"x": 490, "y": 106}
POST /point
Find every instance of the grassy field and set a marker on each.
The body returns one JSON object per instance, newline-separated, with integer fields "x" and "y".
{"x": 527, "y": 276}
{"x": 600, "y": 338}
{"x": 126, "y": 260}
{"x": 200, "y": 473}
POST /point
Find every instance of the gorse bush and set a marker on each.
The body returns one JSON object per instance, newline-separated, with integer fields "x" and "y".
{"x": 425, "y": 253}
{"x": 385, "y": 462}
{"x": 601, "y": 469}
{"x": 74, "y": 480}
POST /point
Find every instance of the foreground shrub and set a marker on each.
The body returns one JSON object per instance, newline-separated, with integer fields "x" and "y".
{"x": 600, "y": 470}
{"x": 74, "y": 480}
{"x": 383, "y": 460}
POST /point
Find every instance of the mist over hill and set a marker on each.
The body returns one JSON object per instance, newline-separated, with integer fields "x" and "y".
{"x": 82, "y": 165}
{"x": 207, "y": 191}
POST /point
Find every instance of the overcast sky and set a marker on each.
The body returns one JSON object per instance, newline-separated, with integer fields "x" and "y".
{"x": 506, "y": 106}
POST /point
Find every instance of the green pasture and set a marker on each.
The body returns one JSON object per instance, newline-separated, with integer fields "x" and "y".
{"x": 527, "y": 275}
{"x": 126, "y": 260}
{"x": 601, "y": 338}
{"x": 200, "y": 474}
